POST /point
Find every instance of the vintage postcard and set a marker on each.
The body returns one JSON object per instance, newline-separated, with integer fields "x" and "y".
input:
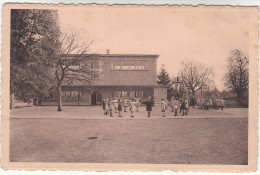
{"x": 131, "y": 88}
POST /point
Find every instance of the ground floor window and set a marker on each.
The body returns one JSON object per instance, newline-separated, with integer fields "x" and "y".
{"x": 70, "y": 95}
{"x": 63, "y": 94}
{"x": 141, "y": 94}
{"x": 131, "y": 94}
{"x": 117, "y": 94}
{"x": 124, "y": 93}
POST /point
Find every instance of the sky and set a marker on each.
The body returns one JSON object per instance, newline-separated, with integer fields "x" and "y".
{"x": 206, "y": 35}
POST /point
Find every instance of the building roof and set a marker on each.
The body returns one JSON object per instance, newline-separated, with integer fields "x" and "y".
{"x": 93, "y": 85}
{"x": 111, "y": 55}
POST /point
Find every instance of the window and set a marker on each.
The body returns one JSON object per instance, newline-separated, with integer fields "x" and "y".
{"x": 63, "y": 93}
{"x": 117, "y": 65}
{"x": 124, "y": 93}
{"x": 95, "y": 64}
{"x": 74, "y": 94}
{"x": 141, "y": 94}
{"x": 143, "y": 65}
{"x": 117, "y": 94}
{"x": 95, "y": 75}
{"x": 130, "y": 65}
{"x": 72, "y": 66}
{"x": 96, "y": 68}
{"x": 75, "y": 66}
{"x": 132, "y": 94}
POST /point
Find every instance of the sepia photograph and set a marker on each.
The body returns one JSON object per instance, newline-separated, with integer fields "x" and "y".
{"x": 130, "y": 85}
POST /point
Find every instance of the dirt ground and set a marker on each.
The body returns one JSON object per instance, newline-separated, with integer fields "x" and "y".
{"x": 215, "y": 137}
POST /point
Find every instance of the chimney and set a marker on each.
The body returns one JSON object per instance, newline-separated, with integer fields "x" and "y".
{"x": 107, "y": 51}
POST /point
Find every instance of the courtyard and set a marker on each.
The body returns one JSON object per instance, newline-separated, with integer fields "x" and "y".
{"x": 85, "y": 135}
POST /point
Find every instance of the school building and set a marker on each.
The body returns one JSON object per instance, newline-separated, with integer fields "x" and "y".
{"x": 113, "y": 75}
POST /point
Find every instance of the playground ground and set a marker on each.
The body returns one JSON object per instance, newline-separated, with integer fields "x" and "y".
{"x": 86, "y": 135}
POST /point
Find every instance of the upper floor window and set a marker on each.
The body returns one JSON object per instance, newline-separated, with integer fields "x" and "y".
{"x": 130, "y": 65}
{"x": 72, "y": 65}
{"x": 96, "y": 64}
{"x": 96, "y": 68}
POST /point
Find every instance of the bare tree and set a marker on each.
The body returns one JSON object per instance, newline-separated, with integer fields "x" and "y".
{"x": 236, "y": 76}
{"x": 194, "y": 76}
{"x": 76, "y": 69}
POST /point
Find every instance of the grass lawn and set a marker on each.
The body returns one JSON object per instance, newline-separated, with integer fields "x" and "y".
{"x": 157, "y": 141}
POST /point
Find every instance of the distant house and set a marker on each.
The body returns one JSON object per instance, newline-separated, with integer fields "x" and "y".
{"x": 113, "y": 75}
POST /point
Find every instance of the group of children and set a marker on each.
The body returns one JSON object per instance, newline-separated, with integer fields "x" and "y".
{"x": 120, "y": 104}
{"x": 117, "y": 105}
{"x": 182, "y": 105}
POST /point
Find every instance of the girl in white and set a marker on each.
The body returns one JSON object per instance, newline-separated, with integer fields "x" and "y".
{"x": 106, "y": 106}
{"x": 163, "y": 107}
{"x": 125, "y": 104}
{"x": 137, "y": 103}
{"x": 115, "y": 104}
{"x": 176, "y": 105}
{"x": 111, "y": 108}
{"x": 132, "y": 107}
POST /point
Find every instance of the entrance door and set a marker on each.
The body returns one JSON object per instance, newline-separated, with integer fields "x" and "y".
{"x": 96, "y": 98}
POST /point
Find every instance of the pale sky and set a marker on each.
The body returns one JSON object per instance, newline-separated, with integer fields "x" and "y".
{"x": 203, "y": 34}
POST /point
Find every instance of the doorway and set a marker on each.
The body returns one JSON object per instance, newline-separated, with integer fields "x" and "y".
{"x": 96, "y": 98}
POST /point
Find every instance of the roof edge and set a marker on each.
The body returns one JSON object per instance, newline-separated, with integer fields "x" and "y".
{"x": 111, "y": 55}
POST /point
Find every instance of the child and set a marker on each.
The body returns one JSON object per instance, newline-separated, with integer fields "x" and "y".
{"x": 185, "y": 107}
{"x": 125, "y": 104}
{"x": 115, "y": 104}
{"x": 106, "y": 106}
{"x": 149, "y": 105}
{"x": 119, "y": 107}
{"x": 176, "y": 104}
{"x": 132, "y": 107}
{"x": 111, "y": 107}
{"x": 137, "y": 103}
{"x": 163, "y": 107}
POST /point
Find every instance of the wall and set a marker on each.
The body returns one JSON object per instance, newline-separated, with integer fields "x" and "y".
{"x": 159, "y": 93}
{"x": 129, "y": 77}
{"x": 108, "y": 76}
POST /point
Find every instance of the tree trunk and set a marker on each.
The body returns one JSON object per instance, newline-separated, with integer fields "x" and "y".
{"x": 193, "y": 99}
{"x": 59, "y": 98}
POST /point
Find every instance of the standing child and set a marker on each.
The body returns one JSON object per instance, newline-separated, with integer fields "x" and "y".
{"x": 182, "y": 109}
{"x": 119, "y": 107}
{"x": 106, "y": 106}
{"x": 111, "y": 106}
{"x": 137, "y": 103}
{"x": 176, "y": 105}
{"x": 163, "y": 107}
{"x": 149, "y": 105}
{"x": 125, "y": 104}
{"x": 132, "y": 107}
{"x": 115, "y": 104}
